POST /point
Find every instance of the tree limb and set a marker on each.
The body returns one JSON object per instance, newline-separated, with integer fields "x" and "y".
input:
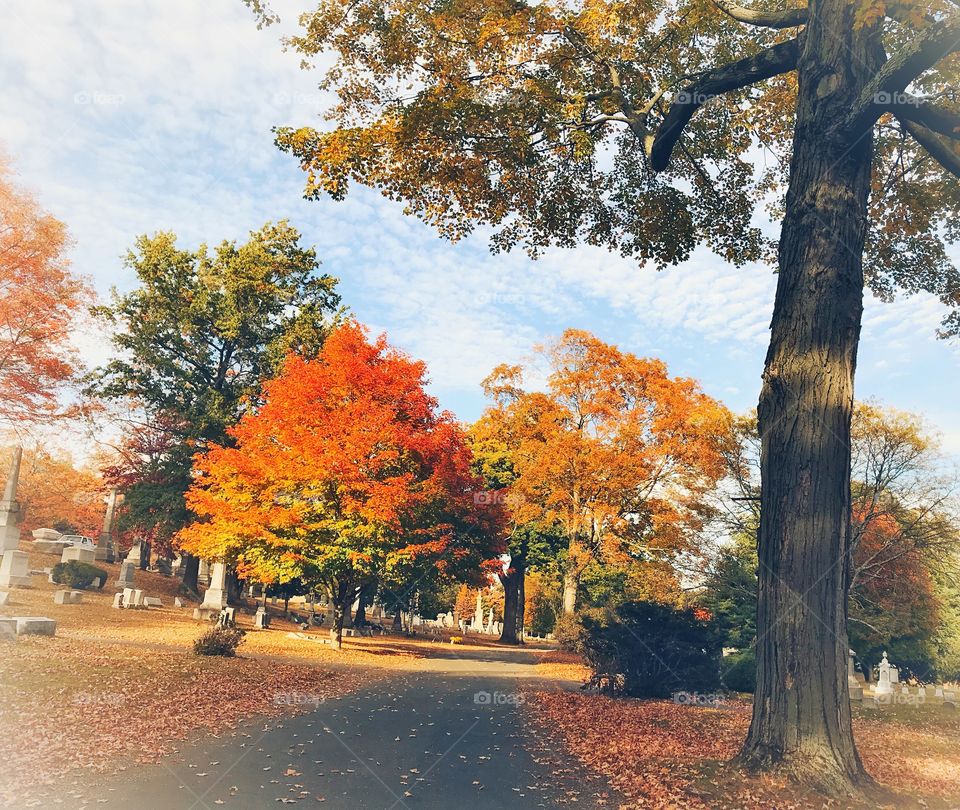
{"x": 915, "y": 58}
{"x": 789, "y": 18}
{"x": 911, "y": 108}
{"x": 773, "y": 61}
{"x": 937, "y": 148}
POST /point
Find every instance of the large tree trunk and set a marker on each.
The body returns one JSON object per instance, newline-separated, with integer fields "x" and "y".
{"x": 801, "y": 712}
{"x": 512, "y": 581}
{"x": 191, "y": 570}
{"x": 571, "y": 576}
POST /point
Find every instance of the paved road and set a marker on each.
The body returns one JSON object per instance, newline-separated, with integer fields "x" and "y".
{"x": 448, "y": 735}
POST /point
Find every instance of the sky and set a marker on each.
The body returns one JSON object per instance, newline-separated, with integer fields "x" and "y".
{"x": 139, "y": 116}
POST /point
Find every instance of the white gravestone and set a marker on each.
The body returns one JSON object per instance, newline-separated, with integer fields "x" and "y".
{"x": 79, "y": 554}
{"x": 216, "y": 595}
{"x": 883, "y": 682}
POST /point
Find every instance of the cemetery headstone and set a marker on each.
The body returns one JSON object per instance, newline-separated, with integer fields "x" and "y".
{"x": 15, "y": 564}
{"x": 79, "y": 554}
{"x": 177, "y": 602}
{"x": 106, "y": 551}
{"x": 4, "y": 596}
{"x": 216, "y": 595}
{"x": 164, "y": 566}
{"x": 118, "y": 600}
{"x": 135, "y": 555}
{"x": 127, "y": 575}
{"x": 261, "y": 619}
{"x": 883, "y": 681}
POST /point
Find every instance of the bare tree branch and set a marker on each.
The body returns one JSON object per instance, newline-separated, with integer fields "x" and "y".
{"x": 938, "y": 149}
{"x": 773, "y": 61}
{"x": 919, "y": 111}
{"x": 903, "y": 67}
{"x": 789, "y": 18}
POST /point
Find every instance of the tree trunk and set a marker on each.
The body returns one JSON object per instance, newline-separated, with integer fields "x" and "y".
{"x": 191, "y": 570}
{"x": 512, "y": 581}
{"x": 801, "y": 712}
{"x": 144, "y": 555}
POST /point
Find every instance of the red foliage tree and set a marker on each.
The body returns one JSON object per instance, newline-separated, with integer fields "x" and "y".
{"x": 346, "y": 475}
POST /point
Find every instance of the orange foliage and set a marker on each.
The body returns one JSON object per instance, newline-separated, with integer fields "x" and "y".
{"x": 616, "y": 451}
{"x": 347, "y": 472}
{"x": 53, "y": 490}
{"x": 39, "y": 299}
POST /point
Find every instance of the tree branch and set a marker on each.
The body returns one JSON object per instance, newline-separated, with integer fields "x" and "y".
{"x": 789, "y": 18}
{"x": 915, "y": 58}
{"x": 937, "y": 148}
{"x": 773, "y": 61}
{"x": 911, "y": 108}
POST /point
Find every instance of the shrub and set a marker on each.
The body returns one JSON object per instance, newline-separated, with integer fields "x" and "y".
{"x": 740, "y": 671}
{"x": 567, "y": 631}
{"x": 79, "y": 575}
{"x": 219, "y": 641}
{"x": 645, "y": 649}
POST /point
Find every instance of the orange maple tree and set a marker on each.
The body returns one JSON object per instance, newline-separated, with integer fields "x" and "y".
{"x": 346, "y": 475}
{"x": 55, "y": 492}
{"x": 616, "y": 451}
{"x": 39, "y": 299}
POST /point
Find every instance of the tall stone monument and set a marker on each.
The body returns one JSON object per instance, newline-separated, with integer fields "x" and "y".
{"x": 105, "y": 549}
{"x": 478, "y": 613}
{"x": 15, "y": 564}
{"x": 216, "y": 595}
{"x": 883, "y": 682}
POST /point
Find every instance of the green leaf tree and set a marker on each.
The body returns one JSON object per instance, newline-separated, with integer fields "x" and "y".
{"x": 194, "y": 342}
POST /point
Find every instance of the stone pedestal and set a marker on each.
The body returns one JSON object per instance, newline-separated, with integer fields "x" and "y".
{"x": 15, "y": 569}
{"x": 216, "y": 595}
{"x": 261, "y": 619}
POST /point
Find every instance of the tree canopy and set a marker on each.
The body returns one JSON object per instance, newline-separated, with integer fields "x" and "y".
{"x": 346, "y": 474}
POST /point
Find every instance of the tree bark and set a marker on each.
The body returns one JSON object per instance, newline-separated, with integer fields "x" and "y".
{"x": 512, "y": 582}
{"x": 571, "y": 577}
{"x": 191, "y": 570}
{"x": 801, "y": 713}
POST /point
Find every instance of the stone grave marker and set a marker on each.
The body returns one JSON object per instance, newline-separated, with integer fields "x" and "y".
{"x": 177, "y": 602}
{"x": 118, "y": 600}
{"x": 883, "y": 682}
{"x": 15, "y": 564}
{"x": 127, "y": 575}
{"x": 79, "y": 554}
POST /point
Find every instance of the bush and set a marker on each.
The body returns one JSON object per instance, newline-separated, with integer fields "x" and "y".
{"x": 740, "y": 671}
{"x": 79, "y": 575}
{"x": 645, "y": 649}
{"x": 568, "y": 630}
{"x": 219, "y": 641}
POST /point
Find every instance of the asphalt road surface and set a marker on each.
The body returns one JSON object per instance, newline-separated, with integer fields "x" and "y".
{"x": 449, "y": 735}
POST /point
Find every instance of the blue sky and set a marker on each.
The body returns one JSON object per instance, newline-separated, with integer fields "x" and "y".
{"x": 134, "y": 117}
